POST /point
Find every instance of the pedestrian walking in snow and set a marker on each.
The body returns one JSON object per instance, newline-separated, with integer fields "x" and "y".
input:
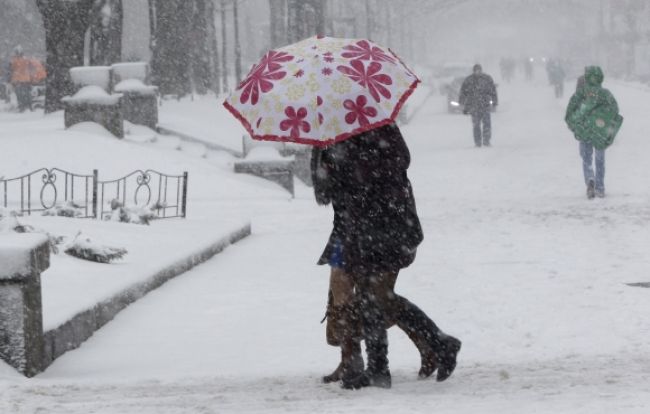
{"x": 343, "y": 327}
{"x": 378, "y": 235}
{"x": 556, "y": 76}
{"x": 592, "y": 116}
{"x": 344, "y": 95}
{"x": 21, "y": 79}
{"x": 478, "y": 95}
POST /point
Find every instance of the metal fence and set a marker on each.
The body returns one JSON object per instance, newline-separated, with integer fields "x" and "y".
{"x": 45, "y": 189}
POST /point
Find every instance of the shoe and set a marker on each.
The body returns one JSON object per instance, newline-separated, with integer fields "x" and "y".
{"x": 591, "y": 192}
{"x": 600, "y": 193}
{"x": 449, "y": 348}
{"x": 487, "y": 144}
{"x": 380, "y": 379}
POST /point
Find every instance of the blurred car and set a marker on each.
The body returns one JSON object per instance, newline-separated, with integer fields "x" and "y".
{"x": 452, "y": 91}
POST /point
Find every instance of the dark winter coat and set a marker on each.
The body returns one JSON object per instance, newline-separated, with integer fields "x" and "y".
{"x": 477, "y": 93}
{"x": 375, "y": 218}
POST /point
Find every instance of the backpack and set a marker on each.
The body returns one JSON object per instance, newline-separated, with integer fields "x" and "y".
{"x": 596, "y": 120}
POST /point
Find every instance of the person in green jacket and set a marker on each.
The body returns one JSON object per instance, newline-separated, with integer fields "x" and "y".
{"x": 592, "y": 115}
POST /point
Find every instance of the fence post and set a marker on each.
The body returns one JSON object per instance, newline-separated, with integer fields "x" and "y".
{"x": 95, "y": 186}
{"x": 184, "y": 205}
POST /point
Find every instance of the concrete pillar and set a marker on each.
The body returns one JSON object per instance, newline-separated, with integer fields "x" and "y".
{"x": 23, "y": 257}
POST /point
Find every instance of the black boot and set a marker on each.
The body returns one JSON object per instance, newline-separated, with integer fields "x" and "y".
{"x": 416, "y": 323}
{"x": 351, "y": 364}
{"x": 428, "y": 358}
{"x": 377, "y": 373}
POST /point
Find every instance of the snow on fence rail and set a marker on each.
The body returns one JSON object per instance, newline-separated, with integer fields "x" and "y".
{"x": 46, "y": 189}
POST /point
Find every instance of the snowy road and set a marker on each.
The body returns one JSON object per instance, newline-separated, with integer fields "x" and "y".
{"x": 516, "y": 262}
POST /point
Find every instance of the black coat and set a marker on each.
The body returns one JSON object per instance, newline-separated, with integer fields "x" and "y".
{"x": 375, "y": 218}
{"x": 476, "y": 93}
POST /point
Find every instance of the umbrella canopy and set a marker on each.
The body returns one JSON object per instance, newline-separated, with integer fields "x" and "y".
{"x": 322, "y": 90}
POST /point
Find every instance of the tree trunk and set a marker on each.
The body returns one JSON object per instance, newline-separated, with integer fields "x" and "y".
{"x": 171, "y": 62}
{"x": 214, "y": 45}
{"x": 201, "y": 48}
{"x": 65, "y": 24}
{"x": 224, "y": 47}
{"x": 106, "y": 32}
{"x": 238, "y": 73}
{"x": 278, "y": 23}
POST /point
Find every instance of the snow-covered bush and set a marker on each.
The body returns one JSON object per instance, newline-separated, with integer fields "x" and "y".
{"x": 133, "y": 215}
{"x": 83, "y": 247}
{"x": 69, "y": 209}
{"x": 9, "y": 223}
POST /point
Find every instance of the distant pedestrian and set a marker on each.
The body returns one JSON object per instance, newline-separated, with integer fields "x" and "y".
{"x": 592, "y": 115}
{"x": 478, "y": 95}
{"x": 21, "y": 79}
{"x": 556, "y": 76}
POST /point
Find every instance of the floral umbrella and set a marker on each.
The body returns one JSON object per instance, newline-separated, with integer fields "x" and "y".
{"x": 322, "y": 90}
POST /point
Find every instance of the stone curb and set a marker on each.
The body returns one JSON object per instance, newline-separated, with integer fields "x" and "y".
{"x": 75, "y": 331}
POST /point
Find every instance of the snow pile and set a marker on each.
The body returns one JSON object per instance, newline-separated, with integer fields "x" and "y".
{"x": 84, "y": 248}
{"x": 8, "y": 221}
{"x": 92, "y": 94}
{"x": 265, "y": 153}
{"x": 91, "y": 75}
{"x": 135, "y": 85}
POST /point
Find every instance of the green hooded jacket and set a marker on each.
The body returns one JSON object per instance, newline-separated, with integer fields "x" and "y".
{"x": 592, "y": 114}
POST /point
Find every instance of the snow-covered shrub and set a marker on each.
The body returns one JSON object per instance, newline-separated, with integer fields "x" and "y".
{"x": 69, "y": 209}
{"x": 9, "y": 223}
{"x": 133, "y": 215}
{"x": 83, "y": 247}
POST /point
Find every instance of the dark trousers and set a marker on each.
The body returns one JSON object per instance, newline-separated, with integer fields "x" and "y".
{"x": 24, "y": 96}
{"x": 380, "y": 307}
{"x": 482, "y": 135}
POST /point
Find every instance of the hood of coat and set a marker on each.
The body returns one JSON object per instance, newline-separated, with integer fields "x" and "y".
{"x": 594, "y": 76}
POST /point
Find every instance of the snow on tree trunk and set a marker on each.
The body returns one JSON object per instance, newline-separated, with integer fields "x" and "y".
{"x": 106, "y": 32}
{"x": 66, "y": 22}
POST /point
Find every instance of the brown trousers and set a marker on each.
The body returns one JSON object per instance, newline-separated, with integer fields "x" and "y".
{"x": 343, "y": 319}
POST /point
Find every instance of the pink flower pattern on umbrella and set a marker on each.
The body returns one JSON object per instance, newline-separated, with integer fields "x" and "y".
{"x": 321, "y": 90}
{"x": 295, "y": 121}
{"x": 262, "y": 76}
{"x": 362, "y": 50}
{"x": 359, "y": 111}
{"x": 370, "y": 78}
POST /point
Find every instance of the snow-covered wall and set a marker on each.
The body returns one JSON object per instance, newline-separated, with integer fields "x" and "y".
{"x": 22, "y": 259}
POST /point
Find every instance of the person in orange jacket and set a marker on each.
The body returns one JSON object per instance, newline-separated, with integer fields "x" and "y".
{"x": 21, "y": 79}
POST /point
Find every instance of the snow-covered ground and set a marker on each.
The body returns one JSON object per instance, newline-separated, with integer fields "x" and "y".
{"x": 516, "y": 262}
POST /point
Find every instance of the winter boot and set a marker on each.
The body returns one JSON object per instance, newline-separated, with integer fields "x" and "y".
{"x": 591, "y": 191}
{"x": 351, "y": 364}
{"x": 428, "y": 363}
{"x": 344, "y": 329}
{"x": 415, "y": 322}
{"x": 377, "y": 373}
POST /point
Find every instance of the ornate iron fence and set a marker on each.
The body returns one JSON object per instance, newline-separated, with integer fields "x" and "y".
{"x": 45, "y": 189}
{"x": 165, "y": 194}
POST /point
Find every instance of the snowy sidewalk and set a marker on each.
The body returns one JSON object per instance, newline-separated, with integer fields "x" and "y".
{"x": 516, "y": 262}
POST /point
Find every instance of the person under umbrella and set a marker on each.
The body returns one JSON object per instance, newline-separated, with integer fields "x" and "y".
{"x": 343, "y": 96}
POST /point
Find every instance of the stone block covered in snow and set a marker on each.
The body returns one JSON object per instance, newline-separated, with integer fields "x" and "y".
{"x": 23, "y": 257}
{"x": 130, "y": 70}
{"x": 92, "y": 75}
{"x": 92, "y": 104}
